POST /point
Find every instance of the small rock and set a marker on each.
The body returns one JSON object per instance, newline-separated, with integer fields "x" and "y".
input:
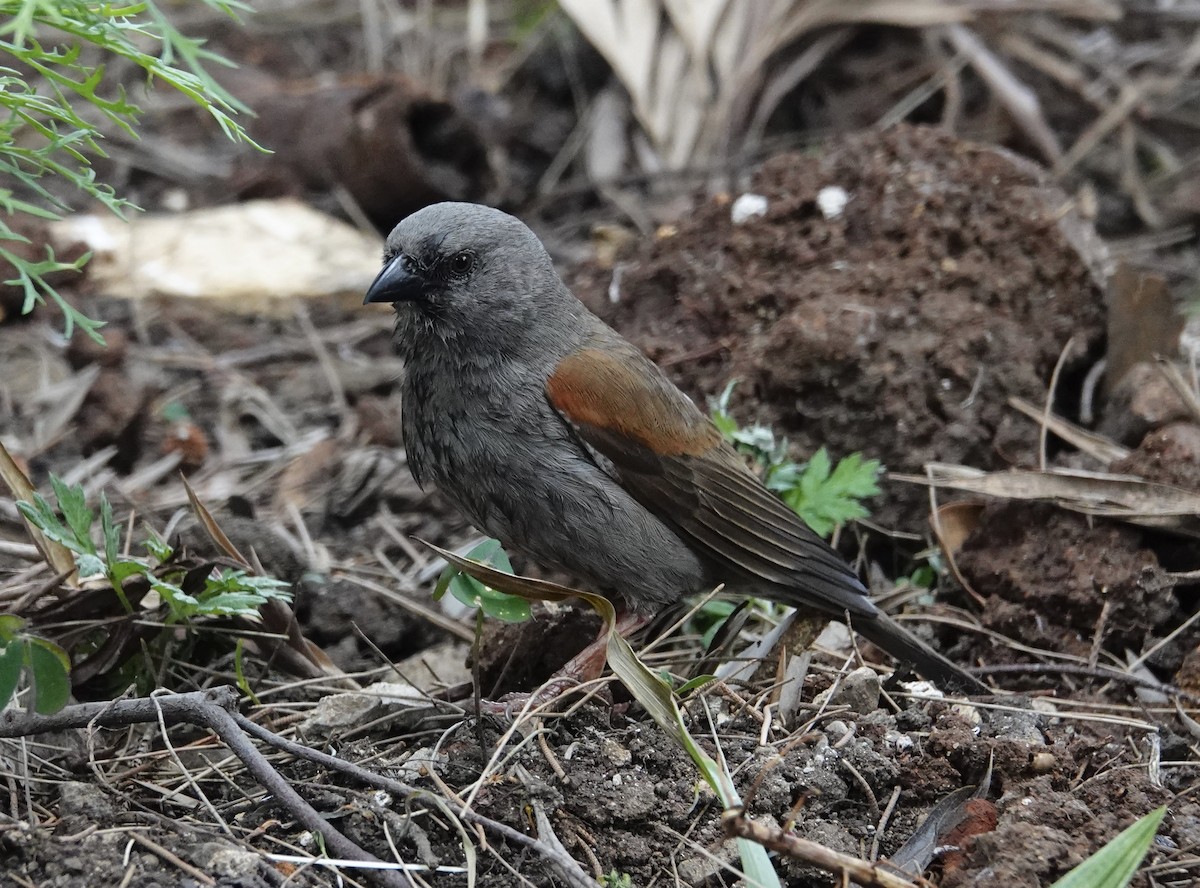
{"x": 1168, "y": 455}
{"x": 1141, "y": 401}
{"x": 859, "y": 690}
{"x": 339, "y": 712}
{"x": 832, "y": 200}
{"x": 923, "y": 688}
{"x": 747, "y": 207}
{"x": 834, "y": 637}
{"x": 272, "y": 253}
{"x": 421, "y": 762}
{"x": 699, "y": 869}
{"x": 1042, "y": 762}
{"x": 968, "y": 713}
{"x": 836, "y": 730}
{"x": 1021, "y": 725}
{"x": 229, "y": 863}
{"x": 396, "y": 693}
{"x": 85, "y": 800}
{"x": 1046, "y": 707}
{"x": 618, "y": 756}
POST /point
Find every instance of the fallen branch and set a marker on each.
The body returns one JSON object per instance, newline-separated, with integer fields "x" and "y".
{"x": 213, "y": 710}
{"x": 737, "y": 825}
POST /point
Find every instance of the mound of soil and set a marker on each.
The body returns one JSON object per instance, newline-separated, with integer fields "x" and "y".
{"x": 952, "y": 279}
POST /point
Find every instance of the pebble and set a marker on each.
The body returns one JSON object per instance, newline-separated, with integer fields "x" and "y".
{"x": 747, "y": 207}
{"x": 832, "y": 200}
{"x": 616, "y": 754}
{"x": 859, "y": 690}
{"x": 1042, "y": 762}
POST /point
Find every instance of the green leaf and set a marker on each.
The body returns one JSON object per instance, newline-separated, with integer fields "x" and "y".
{"x": 816, "y": 472}
{"x": 856, "y": 477}
{"x": 488, "y": 552}
{"x": 508, "y": 608}
{"x": 923, "y": 577}
{"x": 11, "y": 660}
{"x": 89, "y": 565}
{"x": 758, "y": 439}
{"x": 472, "y": 593}
{"x": 822, "y": 495}
{"x": 50, "y": 668}
{"x": 467, "y": 590}
{"x": 826, "y": 497}
{"x": 725, "y": 424}
{"x": 179, "y": 602}
{"x": 1114, "y": 865}
{"x": 41, "y": 515}
{"x": 73, "y": 505}
{"x": 239, "y": 669}
{"x": 10, "y": 625}
{"x": 124, "y": 568}
{"x": 693, "y": 684}
{"x": 229, "y": 604}
{"x": 110, "y": 531}
{"x": 158, "y": 549}
{"x": 58, "y": 100}
{"x": 710, "y": 617}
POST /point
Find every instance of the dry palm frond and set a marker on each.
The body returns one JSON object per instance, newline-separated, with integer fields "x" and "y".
{"x": 698, "y": 71}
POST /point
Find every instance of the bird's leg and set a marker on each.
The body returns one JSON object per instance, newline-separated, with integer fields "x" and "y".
{"x": 585, "y": 666}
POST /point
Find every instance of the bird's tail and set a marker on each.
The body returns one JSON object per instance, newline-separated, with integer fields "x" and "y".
{"x": 885, "y": 632}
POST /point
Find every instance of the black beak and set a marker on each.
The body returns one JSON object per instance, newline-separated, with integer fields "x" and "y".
{"x": 396, "y": 283}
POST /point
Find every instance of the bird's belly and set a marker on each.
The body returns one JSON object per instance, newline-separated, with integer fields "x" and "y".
{"x": 541, "y": 495}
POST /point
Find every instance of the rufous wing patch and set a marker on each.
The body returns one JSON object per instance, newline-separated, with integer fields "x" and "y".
{"x": 625, "y": 394}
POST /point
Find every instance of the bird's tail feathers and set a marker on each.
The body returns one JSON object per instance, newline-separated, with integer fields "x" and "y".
{"x": 886, "y": 633}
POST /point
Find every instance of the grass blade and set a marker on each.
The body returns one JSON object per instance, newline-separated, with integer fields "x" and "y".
{"x": 1113, "y": 865}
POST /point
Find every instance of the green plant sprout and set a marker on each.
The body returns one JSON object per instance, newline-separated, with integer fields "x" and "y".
{"x": 1115, "y": 865}
{"x": 46, "y": 665}
{"x": 474, "y": 594}
{"x": 824, "y": 495}
{"x": 188, "y": 594}
{"x": 224, "y": 593}
{"x": 56, "y": 99}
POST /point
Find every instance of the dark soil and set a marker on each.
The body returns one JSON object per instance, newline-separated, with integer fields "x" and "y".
{"x": 899, "y": 328}
{"x": 1057, "y": 582}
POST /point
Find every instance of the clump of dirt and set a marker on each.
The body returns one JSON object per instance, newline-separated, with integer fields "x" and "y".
{"x": 898, "y": 326}
{"x": 1168, "y": 455}
{"x": 1053, "y": 580}
{"x": 519, "y": 656}
{"x": 1054, "y": 829}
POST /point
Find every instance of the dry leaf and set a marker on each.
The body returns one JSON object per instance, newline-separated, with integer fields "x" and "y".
{"x": 1123, "y": 497}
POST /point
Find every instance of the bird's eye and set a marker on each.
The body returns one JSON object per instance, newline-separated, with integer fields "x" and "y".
{"x": 461, "y": 263}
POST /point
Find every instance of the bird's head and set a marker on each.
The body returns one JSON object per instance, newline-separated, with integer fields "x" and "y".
{"x": 458, "y": 270}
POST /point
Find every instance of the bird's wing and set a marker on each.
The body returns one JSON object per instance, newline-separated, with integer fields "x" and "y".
{"x": 673, "y": 460}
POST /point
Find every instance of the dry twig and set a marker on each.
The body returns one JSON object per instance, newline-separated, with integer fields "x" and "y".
{"x": 213, "y": 710}
{"x": 564, "y": 863}
{"x": 737, "y": 825}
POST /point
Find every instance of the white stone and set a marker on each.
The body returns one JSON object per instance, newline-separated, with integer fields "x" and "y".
{"x": 832, "y": 200}
{"x": 746, "y": 207}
